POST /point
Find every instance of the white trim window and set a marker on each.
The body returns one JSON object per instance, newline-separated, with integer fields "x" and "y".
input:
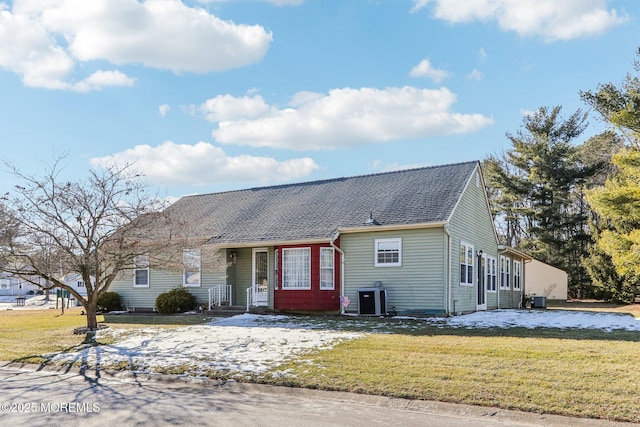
{"x": 491, "y": 271}
{"x": 141, "y": 271}
{"x": 505, "y": 273}
{"x": 296, "y": 268}
{"x": 517, "y": 275}
{"x": 192, "y": 268}
{"x": 466, "y": 264}
{"x": 388, "y": 252}
{"x": 327, "y": 269}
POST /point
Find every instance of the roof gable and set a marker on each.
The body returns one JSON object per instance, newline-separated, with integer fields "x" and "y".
{"x": 316, "y": 209}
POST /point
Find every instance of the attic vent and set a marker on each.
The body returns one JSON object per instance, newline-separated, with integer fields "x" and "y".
{"x": 371, "y": 220}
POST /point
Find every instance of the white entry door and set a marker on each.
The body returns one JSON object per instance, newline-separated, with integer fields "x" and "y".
{"x": 260, "y": 277}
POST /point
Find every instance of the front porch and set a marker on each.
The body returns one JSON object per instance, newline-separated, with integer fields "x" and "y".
{"x": 221, "y": 298}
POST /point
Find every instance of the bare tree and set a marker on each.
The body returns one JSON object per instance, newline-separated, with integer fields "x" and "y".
{"x": 94, "y": 227}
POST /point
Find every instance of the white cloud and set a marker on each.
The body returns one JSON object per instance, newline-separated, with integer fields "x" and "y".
{"x": 101, "y": 79}
{"x": 475, "y": 74}
{"x": 350, "y": 117}
{"x": 425, "y": 69}
{"x": 551, "y": 19}
{"x": 482, "y": 54}
{"x": 226, "y": 107}
{"x": 45, "y": 40}
{"x": 205, "y": 164}
{"x": 164, "y": 109}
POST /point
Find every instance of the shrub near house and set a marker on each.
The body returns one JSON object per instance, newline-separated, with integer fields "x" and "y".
{"x": 177, "y": 300}
{"x": 109, "y": 301}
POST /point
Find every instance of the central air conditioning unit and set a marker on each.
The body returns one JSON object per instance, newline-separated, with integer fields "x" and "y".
{"x": 372, "y": 301}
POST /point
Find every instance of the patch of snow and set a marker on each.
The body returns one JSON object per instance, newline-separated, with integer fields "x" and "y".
{"x": 562, "y": 319}
{"x": 250, "y": 344}
{"x": 246, "y": 343}
{"x": 35, "y": 302}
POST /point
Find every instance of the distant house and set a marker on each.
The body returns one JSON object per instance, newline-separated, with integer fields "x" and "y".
{"x": 419, "y": 242}
{"x": 74, "y": 280}
{"x": 546, "y": 280}
{"x": 16, "y": 286}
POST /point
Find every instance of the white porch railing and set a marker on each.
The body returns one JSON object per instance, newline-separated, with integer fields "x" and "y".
{"x": 257, "y": 296}
{"x": 219, "y": 294}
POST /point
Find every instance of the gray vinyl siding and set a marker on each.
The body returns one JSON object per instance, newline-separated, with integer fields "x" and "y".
{"x": 471, "y": 223}
{"x": 417, "y": 286}
{"x": 212, "y": 273}
{"x": 241, "y": 275}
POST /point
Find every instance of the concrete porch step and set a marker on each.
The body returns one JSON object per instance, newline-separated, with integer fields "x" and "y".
{"x": 227, "y": 309}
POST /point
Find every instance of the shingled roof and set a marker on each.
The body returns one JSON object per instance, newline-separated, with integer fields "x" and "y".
{"x": 315, "y": 210}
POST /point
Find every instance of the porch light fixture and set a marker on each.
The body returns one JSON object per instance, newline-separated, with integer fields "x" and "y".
{"x": 233, "y": 256}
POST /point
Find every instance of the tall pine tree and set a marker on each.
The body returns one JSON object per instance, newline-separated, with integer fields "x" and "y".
{"x": 616, "y": 205}
{"x": 537, "y": 192}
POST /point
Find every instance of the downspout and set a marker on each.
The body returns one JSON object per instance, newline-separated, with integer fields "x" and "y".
{"x": 335, "y": 237}
{"x": 448, "y": 270}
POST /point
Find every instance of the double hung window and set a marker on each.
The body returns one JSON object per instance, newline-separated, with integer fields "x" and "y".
{"x": 141, "y": 271}
{"x": 192, "y": 273}
{"x": 326, "y": 268}
{"x": 517, "y": 273}
{"x": 491, "y": 271}
{"x": 388, "y": 252}
{"x": 466, "y": 264}
{"x": 505, "y": 273}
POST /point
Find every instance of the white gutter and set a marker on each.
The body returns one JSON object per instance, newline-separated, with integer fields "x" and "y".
{"x": 369, "y": 228}
{"x": 341, "y": 252}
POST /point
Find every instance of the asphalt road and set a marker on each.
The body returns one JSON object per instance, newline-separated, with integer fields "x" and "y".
{"x": 77, "y": 398}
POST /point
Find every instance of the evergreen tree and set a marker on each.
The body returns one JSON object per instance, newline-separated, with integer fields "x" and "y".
{"x": 617, "y": 203}
{"x": 537, "y": 192}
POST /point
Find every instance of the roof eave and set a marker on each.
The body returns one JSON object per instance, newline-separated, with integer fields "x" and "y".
{"x": 267, "y": 243}
{"x": 509, "y": 250}
{"x": 341, "y": 230}
{"x": 395, "y": 227}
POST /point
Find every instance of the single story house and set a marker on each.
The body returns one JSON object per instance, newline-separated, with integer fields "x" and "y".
{"x": 75, "y": 281}
{"x": 417, "y": 242}
{"x": 546, "y": 280}
{"x": 16, "y": 286}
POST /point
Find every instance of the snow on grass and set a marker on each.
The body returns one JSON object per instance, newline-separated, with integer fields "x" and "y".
{"x": 8, "y": 302}
{"x": 250, "y": 344}
{"x": 546, "y": 319}
{"x": 246, "y": 343}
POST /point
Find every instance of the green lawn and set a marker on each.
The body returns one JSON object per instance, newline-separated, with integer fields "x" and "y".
{"x": 25, "y": 335}
{"x": 583, "y": 373}
{"x": 588, "y": 378}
